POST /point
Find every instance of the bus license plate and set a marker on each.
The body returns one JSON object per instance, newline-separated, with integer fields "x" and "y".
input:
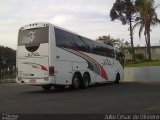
{"x": 32, "y": 81}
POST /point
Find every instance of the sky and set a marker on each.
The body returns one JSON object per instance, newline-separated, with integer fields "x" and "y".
{"x": 89, "y": 18}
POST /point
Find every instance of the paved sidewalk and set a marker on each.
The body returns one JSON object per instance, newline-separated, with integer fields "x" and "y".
{"x": 13, "y": 80}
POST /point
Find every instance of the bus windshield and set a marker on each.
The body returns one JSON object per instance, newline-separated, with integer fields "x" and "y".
{"x": 33, "y": 36}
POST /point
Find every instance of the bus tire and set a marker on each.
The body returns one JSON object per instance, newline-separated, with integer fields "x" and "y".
{"x": 59, "y": 87}
{"x": 76, "y": 81}
{"x": 46, "y": 87}
{"x": 117, "y": 79}
{"x": 85, "y": 80}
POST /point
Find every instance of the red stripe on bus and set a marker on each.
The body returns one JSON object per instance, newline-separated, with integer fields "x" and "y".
{"x": 103, "y": 73}
{"x": 43, "y": 68}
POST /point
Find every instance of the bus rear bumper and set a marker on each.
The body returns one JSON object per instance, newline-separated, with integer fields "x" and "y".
{"x": 36, "y": 81}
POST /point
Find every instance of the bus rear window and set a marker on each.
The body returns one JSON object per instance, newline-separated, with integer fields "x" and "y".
{"x": 33, "y": 36}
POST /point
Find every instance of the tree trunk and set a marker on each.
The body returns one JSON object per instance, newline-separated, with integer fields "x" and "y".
{"x": 149, "y": 46}
{"x": 131, "y": 37}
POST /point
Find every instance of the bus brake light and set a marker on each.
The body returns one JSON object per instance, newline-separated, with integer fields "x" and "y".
{"x": 51, "y": 71}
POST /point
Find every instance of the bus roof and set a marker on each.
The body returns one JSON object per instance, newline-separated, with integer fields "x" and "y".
{"x": 45, "y": 24}
{"x": 35, "y": 25}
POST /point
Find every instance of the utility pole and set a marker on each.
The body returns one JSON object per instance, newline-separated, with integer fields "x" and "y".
{"x": 4, "y": 64}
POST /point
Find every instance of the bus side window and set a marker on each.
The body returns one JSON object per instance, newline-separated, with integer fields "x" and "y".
{"x": 78, "y": 43}
{"x": 88, "y": 44}
{"x": 63, "y": 38}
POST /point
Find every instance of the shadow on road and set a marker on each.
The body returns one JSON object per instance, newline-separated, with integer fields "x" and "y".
{"x": 39, "y": 90}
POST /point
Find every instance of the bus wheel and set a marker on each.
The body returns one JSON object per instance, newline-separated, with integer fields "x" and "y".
{"x": 86, "y": 80}
{"x": 117, "y": 79}
{"x": 75, "y": 81}
{"x": 59, "y": 87}
{"x": 46, "y": 87}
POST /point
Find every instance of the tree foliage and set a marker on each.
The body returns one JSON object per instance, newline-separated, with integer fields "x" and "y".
{"x": 7, "y": 57}
{"x": 124, "y": 11}
{"x": 146, "y": 18}
{"x": 108, "y": 40}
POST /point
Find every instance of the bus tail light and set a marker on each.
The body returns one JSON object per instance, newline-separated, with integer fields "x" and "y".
{"x": 51, "y": 71}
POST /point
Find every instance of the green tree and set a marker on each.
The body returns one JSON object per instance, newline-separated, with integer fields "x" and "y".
{"x": 9, "y": 55}
{"x": 7, "y": 58}
{"x": 124, "y": 11}
{"x": 127, "y": 46}
{"x": 108, "y": 40}
{"x": 147, "y": 17}
{"x": 122, "y": 45}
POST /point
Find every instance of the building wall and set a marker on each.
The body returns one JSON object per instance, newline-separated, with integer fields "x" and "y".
{"x": 155, "y": 51}
{"x": 142, "y": 74}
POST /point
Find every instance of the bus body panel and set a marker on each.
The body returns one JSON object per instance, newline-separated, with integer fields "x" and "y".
{"x": 51, "y": 47}
{"x": 42, "y": 51}
{"x": 52, "y": 53}
{"x": 34, "y": 67}
{"x": 66, "y": 64}
{"x": 63, "y": 72}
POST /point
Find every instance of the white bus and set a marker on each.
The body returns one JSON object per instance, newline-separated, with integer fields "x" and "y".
{"x": 48, "y": 56}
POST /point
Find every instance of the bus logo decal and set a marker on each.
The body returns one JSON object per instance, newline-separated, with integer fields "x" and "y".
{"x": 33, "y": 54}
{"x": 102, "y": 71}
{"x": 32, "y": 36}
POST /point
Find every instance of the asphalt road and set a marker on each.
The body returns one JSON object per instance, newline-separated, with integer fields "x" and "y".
{"x": 108, "y": 98}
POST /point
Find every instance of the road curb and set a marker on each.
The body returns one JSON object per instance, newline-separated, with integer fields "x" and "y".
{"x": 2, "y": 81}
